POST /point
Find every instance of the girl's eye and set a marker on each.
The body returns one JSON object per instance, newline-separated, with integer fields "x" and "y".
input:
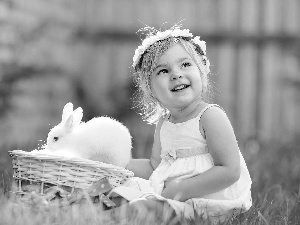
{"x": 162, "y": 71}
{"x": 186, "y": 64}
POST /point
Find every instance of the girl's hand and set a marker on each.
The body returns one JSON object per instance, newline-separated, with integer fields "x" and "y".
{"x": 173, "y": 191}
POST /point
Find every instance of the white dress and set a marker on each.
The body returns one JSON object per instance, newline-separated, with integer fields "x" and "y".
{"x": 185, "y": 154}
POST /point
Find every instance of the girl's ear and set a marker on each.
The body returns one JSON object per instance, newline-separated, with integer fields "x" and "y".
{"x": 152, "y": 93}
{"x": 67, "y": 111}
{"x": 154, "y": 97}
{"x": 77, "y": 116}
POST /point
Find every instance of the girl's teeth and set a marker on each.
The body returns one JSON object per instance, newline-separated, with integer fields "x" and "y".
{"x": 179, "y": 87}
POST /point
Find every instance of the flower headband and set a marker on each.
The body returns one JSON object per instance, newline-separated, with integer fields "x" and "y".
{"x": 176, "y": 32}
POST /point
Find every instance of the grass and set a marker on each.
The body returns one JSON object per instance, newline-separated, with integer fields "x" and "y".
{"x": 275, "y": 171}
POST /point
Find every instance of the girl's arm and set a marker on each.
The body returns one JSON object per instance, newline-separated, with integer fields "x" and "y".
{"x": 144, "y": 167}
{"x": 140, "y": 167}
{"x": 223, "y": 147}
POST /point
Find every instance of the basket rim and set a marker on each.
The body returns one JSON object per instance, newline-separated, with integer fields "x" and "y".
{"x": 73, "y": 160}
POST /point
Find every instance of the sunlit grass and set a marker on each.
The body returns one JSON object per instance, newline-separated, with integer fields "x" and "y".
{"x": 17, "y": 213}
{"x": 87, "y": 213}
{"x": 273, "y": 206}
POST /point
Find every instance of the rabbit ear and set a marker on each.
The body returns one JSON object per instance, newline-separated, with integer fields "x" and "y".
{"x": 68, "y": 123}
{"x": 77, "y": 116}
{"x": 67, "y": 111}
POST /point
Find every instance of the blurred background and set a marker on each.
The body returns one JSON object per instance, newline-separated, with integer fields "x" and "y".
{"x": 59, "y": 51}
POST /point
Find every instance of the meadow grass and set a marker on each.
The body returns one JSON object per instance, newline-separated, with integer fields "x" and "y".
{"x": 275, "y": 171}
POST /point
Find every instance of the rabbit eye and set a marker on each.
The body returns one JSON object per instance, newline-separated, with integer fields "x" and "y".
{"x": 55, "y": 138}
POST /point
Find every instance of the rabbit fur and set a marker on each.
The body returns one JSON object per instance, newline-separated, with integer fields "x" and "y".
{"x": 102, "y": 138}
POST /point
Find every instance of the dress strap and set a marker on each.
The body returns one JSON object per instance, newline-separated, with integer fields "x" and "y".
{"x": 206, "y": 108}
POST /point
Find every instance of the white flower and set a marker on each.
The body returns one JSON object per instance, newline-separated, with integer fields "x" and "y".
{"x": 137, "y": 54}
{"x": 164, "y": 35}
{"x": 183, "y": 33}
{"x": 170, "y": 156}
{"x": 173, "y": 154}
{"x": 176, "y": 33}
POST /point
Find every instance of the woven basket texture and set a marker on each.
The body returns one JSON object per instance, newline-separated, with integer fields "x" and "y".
{"x": 58, "y": 170}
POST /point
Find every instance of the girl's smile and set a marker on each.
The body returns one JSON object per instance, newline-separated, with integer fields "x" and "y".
{"x": 180, "y": 87}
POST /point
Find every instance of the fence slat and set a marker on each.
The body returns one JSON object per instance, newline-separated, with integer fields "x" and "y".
{"x": 269, "y": 98}
{"x": 245, "y": 99}
{"x": 224, "y": 67}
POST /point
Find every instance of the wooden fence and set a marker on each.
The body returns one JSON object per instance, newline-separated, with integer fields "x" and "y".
{"x": 253, "y": 46}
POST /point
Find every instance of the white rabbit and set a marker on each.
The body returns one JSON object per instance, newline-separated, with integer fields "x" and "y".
{"x": 102, "y": 138}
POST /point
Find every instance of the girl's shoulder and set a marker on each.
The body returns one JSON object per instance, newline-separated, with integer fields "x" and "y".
{"x": 211, "y": 110}
{"x": 214, "y": 116}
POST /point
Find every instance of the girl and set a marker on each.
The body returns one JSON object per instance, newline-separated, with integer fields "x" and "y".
{"x": 196, "y": 165}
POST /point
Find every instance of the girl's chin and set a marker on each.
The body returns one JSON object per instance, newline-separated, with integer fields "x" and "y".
{"x": 183, "y": 103}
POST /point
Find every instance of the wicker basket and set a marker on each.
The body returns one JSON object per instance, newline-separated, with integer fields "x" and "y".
{"x": 62, "y": 171}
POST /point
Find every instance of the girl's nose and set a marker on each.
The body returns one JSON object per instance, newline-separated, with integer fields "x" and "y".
{"x": 176, "y": 75}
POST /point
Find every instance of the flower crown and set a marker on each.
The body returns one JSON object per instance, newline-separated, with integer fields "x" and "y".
{"x": 175, "y": 32}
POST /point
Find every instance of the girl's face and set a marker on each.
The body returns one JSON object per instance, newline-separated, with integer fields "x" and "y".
{"x": 176, "y": 81}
